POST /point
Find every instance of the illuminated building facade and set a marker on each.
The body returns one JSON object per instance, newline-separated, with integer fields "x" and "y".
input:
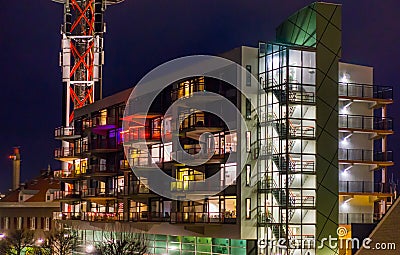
{"x": 309, "y": 157}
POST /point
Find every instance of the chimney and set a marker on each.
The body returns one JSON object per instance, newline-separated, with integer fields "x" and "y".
{"x": 16, "y": 159}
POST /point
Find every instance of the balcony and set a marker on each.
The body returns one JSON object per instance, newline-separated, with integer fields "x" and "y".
{"x": 66, "y": 133}
{"x": 65, "y": 154}
{"x": 349, "y": 218}
{"x": 102, "y": 217}
{"x": 368, "y": 157}
{"x": 67, "y": 195}
{"x": 379, "y": 95}
{"x": 67, "y": 216}
{"x": 99, "y": 193}
{"x": 100, "y": 124}
{"x": 203, "y": 217}
{"x": 136, "y": 188}
{"x": 101, "y": 170}
{"x": 198, "y": 187}
{"x": 365, "y": 124}
{"x": 105, "y": 145}
{"x": 66, "y": 175}
{"x": 145, "y": 134}
{"x": 363, "y": 187}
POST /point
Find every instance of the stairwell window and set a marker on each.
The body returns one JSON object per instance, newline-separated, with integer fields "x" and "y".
{"x": 248, "y": 208}
{"x": 248, "y": 174}
{"x": 248, "y": 141}
{"x": 248, "y": 75}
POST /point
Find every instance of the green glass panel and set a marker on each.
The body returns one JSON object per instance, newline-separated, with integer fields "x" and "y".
{"x": 160, "y": 244}
{"x": 220, "y": 249}
{"x": 203, "y": 248}
{"x": 188, "y": 239}
{"x": 238, "y": 243}
{"x": 160, "y": 237}
{"x": 220, "y": 241}
{"x": 238, "y": 251}
{"x": 174, "y": 238}
{"x": 188, "y": 253}
{"x": 203, "y": 240}
{"x": 188, "y": 247}
{"x": 174, "y": 252}
{"x": 160, "y": 251}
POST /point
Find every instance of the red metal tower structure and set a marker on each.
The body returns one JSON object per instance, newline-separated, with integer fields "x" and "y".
{"x": 82, "y": 55}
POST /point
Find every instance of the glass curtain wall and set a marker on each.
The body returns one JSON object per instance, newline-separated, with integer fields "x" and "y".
{"x": 286, "y": 167}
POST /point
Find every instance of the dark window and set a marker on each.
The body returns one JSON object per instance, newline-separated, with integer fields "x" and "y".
{"x": 248, "y": 75}
{"x": 248, "y": 109}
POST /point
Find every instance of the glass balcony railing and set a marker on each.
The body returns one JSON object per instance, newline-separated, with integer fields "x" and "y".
{"x": 365, "y": 91}
{"x": 71, "y": 194}
{"x": 99, "y": 192}
{"x": 349, "y": 218}
{"x": 64, "y": 152}
{"x": 365, "y": 122}
{"x": 66, "y": 132}
{"x": 365, "y": 155}
{"x": 363, "y": 187}
{"x": 99, "y": 169}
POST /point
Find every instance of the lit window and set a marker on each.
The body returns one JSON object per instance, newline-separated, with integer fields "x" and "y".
{"x": 248, "y": 175}
{"x": 19, "y": 223}
{"x": 248, "y": 141}
{"x": 47, "y": 224}
{"x": 6, "y": 223}
{"x": 248, "y": 208}
{"x": 33, "y": 223}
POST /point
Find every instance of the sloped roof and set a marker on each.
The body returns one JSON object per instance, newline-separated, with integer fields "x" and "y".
{"x": 37, "y": 187}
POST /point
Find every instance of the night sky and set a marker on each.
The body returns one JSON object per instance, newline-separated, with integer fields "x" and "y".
{"x": 144, "y": 34}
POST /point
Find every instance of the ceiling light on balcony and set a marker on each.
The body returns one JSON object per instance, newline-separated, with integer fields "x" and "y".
{"x": 345, "y": 78}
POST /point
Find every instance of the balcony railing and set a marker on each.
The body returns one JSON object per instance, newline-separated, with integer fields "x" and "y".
{"x": 363, "y": 187}
{"x": 203, "y": 217}
{"x": 64, "y": 152}
{"x": 65, "y": 132}
{"x": 349, "y": 218}
{"x": 67, "y": 216}
{"x": 104, "y": 144}
{"x": 365, "y": 122}
{"x": 59, "y": 195}
{"x": 365, "y": 91}
{"x": 99, "y": 192}
{"x": 177, "y": 217}
{"x": 142, "y": 133}
{"x": 365, "y": 155}
{"x": 65, "y": 174}
{"x": 135, "y": 188}
{"x": 102, "y": 169}
{"x": 98, "y": 121}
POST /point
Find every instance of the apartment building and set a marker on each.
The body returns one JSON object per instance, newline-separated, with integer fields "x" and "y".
{"x": 316, "y": 153}
{"x": 31, "y": 206}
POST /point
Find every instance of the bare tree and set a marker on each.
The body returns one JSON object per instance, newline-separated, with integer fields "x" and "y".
{"x": 122, "y": 243}
{"x": 61, "y": 242}
{"x": 15, "y": 242}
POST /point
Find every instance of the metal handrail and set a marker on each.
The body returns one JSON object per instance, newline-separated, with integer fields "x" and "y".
{"x": 365, "y": 91}
{"x": 365, "y": 122}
